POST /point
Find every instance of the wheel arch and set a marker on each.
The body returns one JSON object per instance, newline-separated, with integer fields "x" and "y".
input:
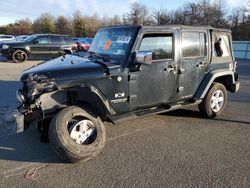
{"x": 225, "y": 77}
{"x": 91, "y": 97}
{"x": 20, "y": 48}
{"x": 87, "y": 96}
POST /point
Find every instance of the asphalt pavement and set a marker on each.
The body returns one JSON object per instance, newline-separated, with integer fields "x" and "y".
{"x": 175, "y": 149}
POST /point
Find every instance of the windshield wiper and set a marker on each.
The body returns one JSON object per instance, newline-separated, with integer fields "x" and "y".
{"x": 106, "y": 70}
{"x": 104, "y": 57}
{"x": 92, "y": 54}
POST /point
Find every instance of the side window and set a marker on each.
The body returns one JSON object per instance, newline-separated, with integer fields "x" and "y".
{"x": 56, "y": 39}
{"x": 193, "y": 44}
{"x": 160, "y": 46}
{"x": 221, "y": 46}
{"x": 68, "y": 40}
{"x": 43, "y": 40}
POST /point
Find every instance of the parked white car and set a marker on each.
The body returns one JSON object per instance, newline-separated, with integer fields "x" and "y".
{"x": 6, "y": 37}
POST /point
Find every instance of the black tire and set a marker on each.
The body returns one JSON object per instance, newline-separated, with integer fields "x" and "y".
{"x": 19, "y": 56}
{"x": 206, "y": 107}
{"x": 65, "y": 146}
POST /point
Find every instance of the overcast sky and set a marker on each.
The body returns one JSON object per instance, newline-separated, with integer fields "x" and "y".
{"x": 12, "y": 10}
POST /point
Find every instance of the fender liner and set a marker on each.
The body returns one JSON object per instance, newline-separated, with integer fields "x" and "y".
{"x": 209, "y": 79}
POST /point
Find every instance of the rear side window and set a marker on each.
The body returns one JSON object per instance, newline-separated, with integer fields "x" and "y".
{"x": 68, "y": 40}
{"x": 193, "y": 44}
{"x": 221, "y": 45}
{"x": 160, "y": 46}
{"x": 56, "y": 39}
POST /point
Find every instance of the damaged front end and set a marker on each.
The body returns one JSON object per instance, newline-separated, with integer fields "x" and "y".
{"x": 35, "y": 98}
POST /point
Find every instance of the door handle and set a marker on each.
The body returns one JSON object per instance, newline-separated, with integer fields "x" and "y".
{"x": 170, "y": 68}
{"x": 200, "y": 65}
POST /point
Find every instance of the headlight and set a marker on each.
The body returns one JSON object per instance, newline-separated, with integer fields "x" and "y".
{"x": 38, "y": 84}
{"x": 5, "y": 46}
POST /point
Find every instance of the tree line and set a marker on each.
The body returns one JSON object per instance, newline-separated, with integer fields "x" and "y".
{"x": 201, "y": 12}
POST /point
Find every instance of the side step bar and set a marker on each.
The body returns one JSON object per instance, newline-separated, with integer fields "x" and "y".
{"x": 151, "y": 111}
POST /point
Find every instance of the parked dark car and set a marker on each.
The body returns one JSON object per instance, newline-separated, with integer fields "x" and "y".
{"x": 6, "y": 38}
{"x": 21, "y": 37}
{"x": 83, "y": 44}
{"x": 131, "y": 71}
{"x": 38, "y": 46}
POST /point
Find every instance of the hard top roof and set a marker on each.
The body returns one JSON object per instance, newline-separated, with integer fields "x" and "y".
{"x": 174, "y": 26}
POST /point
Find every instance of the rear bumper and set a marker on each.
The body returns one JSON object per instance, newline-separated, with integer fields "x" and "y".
{"x": 235, "y": 87}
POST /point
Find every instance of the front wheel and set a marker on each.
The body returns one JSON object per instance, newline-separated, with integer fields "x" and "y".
{"x": 77, "y": 134}
{"x": 214, "y": 102}
{"x": 19, "y": 56}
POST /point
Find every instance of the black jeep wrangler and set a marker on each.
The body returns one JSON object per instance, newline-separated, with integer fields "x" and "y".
{"x": 130, "y": 71}
{"x": 37, "y": 46}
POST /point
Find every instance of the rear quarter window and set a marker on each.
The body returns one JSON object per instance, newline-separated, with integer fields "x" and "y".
{"x": 68, "y": 40}
{"x": 56, "y": 39}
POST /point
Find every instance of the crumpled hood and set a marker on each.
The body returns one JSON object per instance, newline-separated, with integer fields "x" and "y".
{"x": 68, "y": 69}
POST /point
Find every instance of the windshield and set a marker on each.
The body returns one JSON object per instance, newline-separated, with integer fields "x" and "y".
{"x": 113, "y": 41}
{"x": 30, "y": 38}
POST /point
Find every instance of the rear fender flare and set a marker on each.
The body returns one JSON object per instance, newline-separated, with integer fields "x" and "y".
{"x": 209, "y": 79}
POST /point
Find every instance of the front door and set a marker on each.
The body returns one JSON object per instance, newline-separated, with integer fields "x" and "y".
{"x": 39, "y": 47}
{"x": 193, "y": 63}
{"x": 154, "y": 84}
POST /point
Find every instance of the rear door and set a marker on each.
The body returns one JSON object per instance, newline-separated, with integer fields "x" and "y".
{"x": 56, "y": 44}
{"x": 193, "y": 62}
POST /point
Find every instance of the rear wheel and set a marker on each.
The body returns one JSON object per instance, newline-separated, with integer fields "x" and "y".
{"x": 76, "y": 134}
{"x": 214, "y": 102}
{"x": 19, "y": 56}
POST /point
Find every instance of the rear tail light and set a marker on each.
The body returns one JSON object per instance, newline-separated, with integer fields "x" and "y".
{"x": 232, "y": 66}
{"x": 235, "y": 65}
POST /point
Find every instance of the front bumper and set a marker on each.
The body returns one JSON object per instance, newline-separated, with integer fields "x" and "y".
{"x": 4, "y": 52}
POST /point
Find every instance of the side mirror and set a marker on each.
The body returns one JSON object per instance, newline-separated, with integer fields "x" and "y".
{"x": 35, "y": 42}
{"x": 144, "y": 57}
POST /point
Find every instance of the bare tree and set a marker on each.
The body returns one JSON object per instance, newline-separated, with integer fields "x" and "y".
{"x": 63, "y": 25}
{"x": 92, "y": 24}
{"x": 161, "y": 17}
{"x": 138, "y": 15}
{"x": 79, "y": 25}
{"x": 22, "y": 27}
